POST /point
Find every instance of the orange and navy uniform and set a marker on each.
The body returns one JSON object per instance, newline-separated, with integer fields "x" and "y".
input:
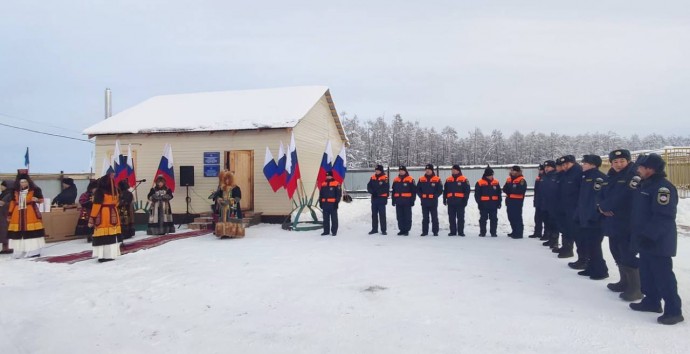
{"x": 330, "y": 194}
{"x": 487, "y": 193}
{"x": 456, "y": 191}
{"x": 515, "y": 189}
{"x": 429, "y": 188}
{"x": 379, "y": 188}
{"x": 404, "y": 191}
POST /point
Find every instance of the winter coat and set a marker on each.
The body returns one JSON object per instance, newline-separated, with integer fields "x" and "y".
{"x": 569, "y": 191}
{"x": 379, "y": 187}
{"x": 67, "y": 197}
{"x": 429, "y": 188}
{"x": 587, "y": 214}
{"x": 515, "y": 189}
{"x": 330, "y": 195}
{"x": 456, "y": 191}
{"x": 404, "y": 191}
{"x": 616, "y": 196}
{"x": 487, "y": 193}
{"x": 653, "y": 222}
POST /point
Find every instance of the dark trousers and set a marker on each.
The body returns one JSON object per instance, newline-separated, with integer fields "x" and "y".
{"x": 330, "y": 220}
{"x": 404, "y": 216}
{"x": 456, "y": 219}
{"x": 569, "y": 229}
{"x": 378, "y": 212}
{"x": 621, "y": 251}
{"x": 492, "y": 215}
{"x": 539, "y": 224}
{"x": 514, "y": 210}
{"x": 591, "y": 239}
{"x": 658, "y": 283}
{"x": 426, "y": 212}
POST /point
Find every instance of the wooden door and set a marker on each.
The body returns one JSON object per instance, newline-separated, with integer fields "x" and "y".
{"x": 241, "y": 164}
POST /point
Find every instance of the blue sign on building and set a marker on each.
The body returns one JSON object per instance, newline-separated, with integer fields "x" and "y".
{"x": 211, "y": 158}
{"x": 211, "y": 170}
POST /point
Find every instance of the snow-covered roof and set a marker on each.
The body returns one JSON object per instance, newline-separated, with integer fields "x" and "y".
{"x": 217, "y": 111}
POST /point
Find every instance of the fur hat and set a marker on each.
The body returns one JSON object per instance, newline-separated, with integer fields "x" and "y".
{"x": 592, "y": 159}
{"x": 488, "y": 171}
{"x": 457, "y": 168}
{"x": 620, "y": 153}
{"x": 402, "y": 168}
{"x": 550, "y": 163}
{"x": 379, "y": 168}
{"x": 653, "y": 161}
{"x": 68, "y": 181}
{"x": 566, "y": 159}
{"x": 329, "y": 174}
{"x": 429, "y": 167}
{"x": 516, "y": 168}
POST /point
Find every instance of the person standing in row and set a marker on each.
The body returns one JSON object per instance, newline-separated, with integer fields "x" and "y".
{"x": 26, "y": 233}
{"x": 515, "y": 189}
{"x": 588, "y": 220}
{"x": 329, "y": 199}
{"x": 616, "y": 207}
{"x": 456, "y": 192}
{"x": 404, "y": 195}
{"x": 548, "y": 204}
{"x": 6, "y": 194}
{"x": 429, "y": 189}
{"x": 655, "y": 236}
{"x": 379, "y": 188}
{"x": 536, "y": 203}
{"x": 569, "y": 191}
{"x": 85, "y": 203}
{"x": 105, "y": 221}
{"x": 160, "y": 214}
{"x": 125, "y": 207}
{"x": 487, "y": 194}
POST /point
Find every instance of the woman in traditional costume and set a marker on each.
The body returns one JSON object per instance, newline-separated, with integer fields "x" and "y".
{"x": 86, "y": 202}
{"x": 105, "y": 220}
{"x": 126, "y": 209}
{"x": 228, "y": 197}
{"x": 6, "y": 195}
{"x": 26, "y": 233}
{"x": 160, "y": 214}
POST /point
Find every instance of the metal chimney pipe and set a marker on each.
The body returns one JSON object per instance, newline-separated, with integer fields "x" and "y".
{"x": 108, "y": 103}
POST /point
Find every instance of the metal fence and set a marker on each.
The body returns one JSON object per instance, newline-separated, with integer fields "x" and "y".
{"x": 677, "y": 167}
{"x": 356, "y": 179}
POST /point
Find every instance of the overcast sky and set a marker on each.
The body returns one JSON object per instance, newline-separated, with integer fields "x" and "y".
{"x": 563, "y": 66}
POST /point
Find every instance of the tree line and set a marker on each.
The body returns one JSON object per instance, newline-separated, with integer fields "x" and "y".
{"x": 402, "y": 142}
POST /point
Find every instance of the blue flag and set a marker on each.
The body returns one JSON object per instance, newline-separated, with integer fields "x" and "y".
{"x": 26, "y": 158}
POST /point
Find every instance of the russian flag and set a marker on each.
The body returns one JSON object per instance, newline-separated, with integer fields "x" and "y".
{"x": 292, "y": 168}
{"x": 282, "y": 161}
{"x": 165, "y": 168}
{"x": 107, "y": 168}
{"x": 340, "y": 165}
{"x": 326, "y": 161}
{"x": 131, "y": 174}
{"x": 272, "y": 172}
{"x": 119, "y": 163}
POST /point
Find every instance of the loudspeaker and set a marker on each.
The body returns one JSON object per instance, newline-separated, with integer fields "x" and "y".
{"x": 187, "y": 176}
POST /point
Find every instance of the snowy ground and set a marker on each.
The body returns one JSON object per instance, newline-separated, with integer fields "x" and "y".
{"x": 281, "y": 292}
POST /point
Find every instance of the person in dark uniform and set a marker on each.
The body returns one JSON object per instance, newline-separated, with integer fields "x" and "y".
{"x": 329, "y": 198}
{"x": 487, "y": 194}
{"x": 536, "y": 203}
{"x": 68, "y": 196}
{"x": 404, "y": 195}
{"x": 429, "y": 188}
{"x": 588, "y": 220}
{"x": 615, "y": 205}
{"x": 378, "y": 187}
{"x": 515, "y": 189}
{"x": 456, "y": 192}
{"x": 549, "y": 203}
{"x": 569, "y": 191}
{"x": 655, "y": 236}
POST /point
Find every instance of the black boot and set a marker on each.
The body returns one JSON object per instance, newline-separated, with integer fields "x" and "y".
{"x": 373, "y": 232}
{"x": 566, "y": 253}
{"x": 670, "y": 320}
{"x": 580, "y": 264}
{"x": 644, "y": 307}
{"x": 384, "y": 233}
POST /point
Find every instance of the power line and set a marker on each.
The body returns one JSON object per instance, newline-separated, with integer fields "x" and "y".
{"x": 37, "y": 122}
{"x": 45, "y": 133}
